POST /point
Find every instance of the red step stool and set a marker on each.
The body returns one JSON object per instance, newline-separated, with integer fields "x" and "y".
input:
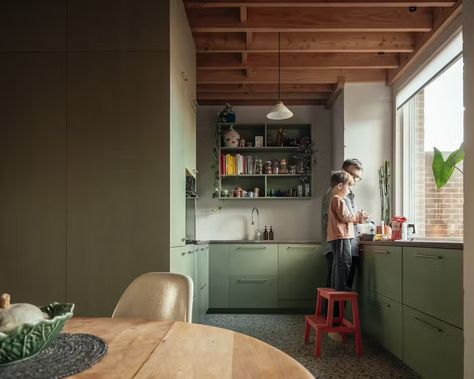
{"x": 336, "y": 324}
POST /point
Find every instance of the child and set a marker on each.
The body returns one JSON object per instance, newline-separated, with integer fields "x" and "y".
{"x": 340, "y": 229}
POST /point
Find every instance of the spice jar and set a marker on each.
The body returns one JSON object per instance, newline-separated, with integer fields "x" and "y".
{"x": 283, "y": 169}
{"x": 268, "y": 167}
{"x": 276, "y": 167}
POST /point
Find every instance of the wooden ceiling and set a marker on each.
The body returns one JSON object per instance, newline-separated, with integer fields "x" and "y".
{"x": 324, "y": 44}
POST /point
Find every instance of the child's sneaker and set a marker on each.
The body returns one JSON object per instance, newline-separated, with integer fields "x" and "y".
{"x": 335, "y": 336}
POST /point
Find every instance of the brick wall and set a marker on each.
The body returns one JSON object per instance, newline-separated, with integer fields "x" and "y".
{"x": 439, "y": 213}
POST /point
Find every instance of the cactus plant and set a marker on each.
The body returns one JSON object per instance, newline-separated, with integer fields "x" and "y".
{"x": 385, "y": 184}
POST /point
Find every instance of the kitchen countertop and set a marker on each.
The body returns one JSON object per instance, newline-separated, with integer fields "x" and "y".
{"x": 418, "y": 243}
{"x": 309, "y": 242}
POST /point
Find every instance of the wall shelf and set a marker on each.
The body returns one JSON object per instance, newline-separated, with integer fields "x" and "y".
{"x": 238, "y": 164}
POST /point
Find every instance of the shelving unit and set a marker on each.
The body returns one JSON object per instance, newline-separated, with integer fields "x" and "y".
{"x": 271, "y": 186}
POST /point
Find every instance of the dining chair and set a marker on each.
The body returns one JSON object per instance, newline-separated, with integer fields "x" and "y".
{"x": 157, "y": 296}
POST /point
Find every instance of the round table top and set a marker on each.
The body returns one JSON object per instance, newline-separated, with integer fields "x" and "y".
{"x": 171, "y": 349}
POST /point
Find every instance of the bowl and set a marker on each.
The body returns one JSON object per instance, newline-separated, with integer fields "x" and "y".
{"x": 367, "y": 237}
{"x": 29, "y": 339}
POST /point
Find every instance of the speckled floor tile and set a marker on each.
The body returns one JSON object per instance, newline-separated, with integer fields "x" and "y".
{"x": 286, "y": 332}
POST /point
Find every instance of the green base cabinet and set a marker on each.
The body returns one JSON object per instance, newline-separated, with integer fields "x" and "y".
{"x": 301, "y": 270}
{"x": 381, "y": 318}
{"x": 253, "y": 291}
{"x": 431, "y": 347}
{"x": 219, "y": 276}
{"x": 432, "y": 282}
{"x": 382, "y": 271}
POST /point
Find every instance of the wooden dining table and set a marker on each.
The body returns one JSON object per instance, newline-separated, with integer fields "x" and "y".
{"x": 172, "y": 349}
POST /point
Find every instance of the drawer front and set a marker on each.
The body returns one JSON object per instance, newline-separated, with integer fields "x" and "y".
{"x": 203, "y": 264}
{"x": 219, "y": 276}
{"x": 432, "y": 282}
{"x": 382, "y": 271}
{"x": 381, "y": 318}
{"x": 253, "y": 291}
{"x": 254, "y": 259}
{"x": 301, "y": 270}
{"x": 433, "y": 348}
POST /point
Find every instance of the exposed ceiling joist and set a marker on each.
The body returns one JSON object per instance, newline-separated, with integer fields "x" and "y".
{"x": 312, "y": 20}
{"x": 306, "y": 76}
{"x": 306, "y": 42}
{"x": 443, "y": 19}
{"x": 259, "y": 88}
{"x": 298, "y": 60}
{"x": 316, "y": 3}
{"x": 321, "y": 42}
{"x": 337, "y": 90}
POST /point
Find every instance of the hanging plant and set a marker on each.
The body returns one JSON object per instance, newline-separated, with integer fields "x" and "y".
{"x": 305, "y": 159}
{"x": 215, "y": 159}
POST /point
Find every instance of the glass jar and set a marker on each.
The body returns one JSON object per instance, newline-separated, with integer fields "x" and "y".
{"x": 268, "y": 167}
{"x": 283, "y": 169}
{"x": 276, "y": 167}
{"x": 258, "y": 166}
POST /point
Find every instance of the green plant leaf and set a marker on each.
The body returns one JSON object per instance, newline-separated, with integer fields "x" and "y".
{"x": 456, "y": 156}
{"x": 442, "y": 170}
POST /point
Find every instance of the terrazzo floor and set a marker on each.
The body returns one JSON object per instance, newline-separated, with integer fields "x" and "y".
{"x": 286, "y": 332}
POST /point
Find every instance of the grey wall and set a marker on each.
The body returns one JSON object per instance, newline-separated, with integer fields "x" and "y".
{"x": 468, "y": 34}
{"x": 368, "y": 137}
{"x": 337, "y": 154}
{"x": 291, "y": 219}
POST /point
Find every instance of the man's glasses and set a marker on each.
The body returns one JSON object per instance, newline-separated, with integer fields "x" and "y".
{"x": 356, "y": 178}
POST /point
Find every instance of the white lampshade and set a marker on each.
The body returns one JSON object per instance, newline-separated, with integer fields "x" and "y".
{"x": 279, "y": 112}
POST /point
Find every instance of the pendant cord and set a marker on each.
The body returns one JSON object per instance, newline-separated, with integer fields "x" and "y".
{"x": 279, "y": 67}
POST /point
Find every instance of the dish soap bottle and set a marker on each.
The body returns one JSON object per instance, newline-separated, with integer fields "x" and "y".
{"x": 270, "y": 234}
{"x": 265, "y": 233}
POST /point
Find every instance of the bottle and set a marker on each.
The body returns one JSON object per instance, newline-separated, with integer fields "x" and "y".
{"x": 265, "y": 233}
{"x": 270, "y": 235}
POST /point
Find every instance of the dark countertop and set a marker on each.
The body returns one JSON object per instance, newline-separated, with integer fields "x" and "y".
{"x": 309, "y": 242}
{"x": 196, "y": 242}
{"x": 418, "y": 243}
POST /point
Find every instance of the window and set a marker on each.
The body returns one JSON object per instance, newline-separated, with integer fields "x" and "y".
{"x": 432, "y": 117}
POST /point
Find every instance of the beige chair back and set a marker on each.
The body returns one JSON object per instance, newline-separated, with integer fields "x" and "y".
{"x": 157, "y": 296}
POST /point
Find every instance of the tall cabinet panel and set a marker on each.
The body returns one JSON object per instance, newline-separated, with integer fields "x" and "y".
{"x": 115, "y": 211}
{"x": 33, "y": 176}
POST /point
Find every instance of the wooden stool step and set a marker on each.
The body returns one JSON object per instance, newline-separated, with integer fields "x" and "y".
{"x": 336, "y": 324}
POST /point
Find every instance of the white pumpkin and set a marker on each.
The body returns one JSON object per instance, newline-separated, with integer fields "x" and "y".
{"x": 14, "y": 315}
{"x": 231, "y": 137}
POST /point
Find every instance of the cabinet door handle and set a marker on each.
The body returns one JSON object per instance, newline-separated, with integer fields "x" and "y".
{"x": 183, "y": 253}
{"x": 428, "y": 325}
{"x": 383, "y": 252}
{"x": 251, "y": 280}
{"x": 204, "y": 286}
{"x": 428, "y": 256}
{"x": 380, "y": 305}
{"x": 190, "y": 252}
{"x": 252, "y": 248}
{"x": 300, "y": 248}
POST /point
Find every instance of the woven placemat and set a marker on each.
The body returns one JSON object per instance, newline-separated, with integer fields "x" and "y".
{"x": 68, "y": 355}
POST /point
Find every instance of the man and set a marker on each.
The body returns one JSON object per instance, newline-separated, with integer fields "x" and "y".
{"x": 354, "y": 168}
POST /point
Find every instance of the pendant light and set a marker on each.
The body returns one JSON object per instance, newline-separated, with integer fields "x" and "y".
{"x": 279, "y": 111}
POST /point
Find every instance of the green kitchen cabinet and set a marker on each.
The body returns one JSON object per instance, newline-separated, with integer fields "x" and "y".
{"x": 219, "y": 276}
{"x": 202, "y": 279}
{"x": 381, "y": 318}
{"x": 253, "y": 259}
{"x": 253, "y": 291}
{"x": 178, "y": 173}
{"x": 433, "y": 282}
{"x": 253, "y": 276}
{"x": 301, "y": 270}
{"x": 433, "y": 348}
{"x": 382, "y": 270}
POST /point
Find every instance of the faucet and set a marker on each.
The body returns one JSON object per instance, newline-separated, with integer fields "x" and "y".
{"x": 258, "y": 215}
{"x": 257, "y": 231}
